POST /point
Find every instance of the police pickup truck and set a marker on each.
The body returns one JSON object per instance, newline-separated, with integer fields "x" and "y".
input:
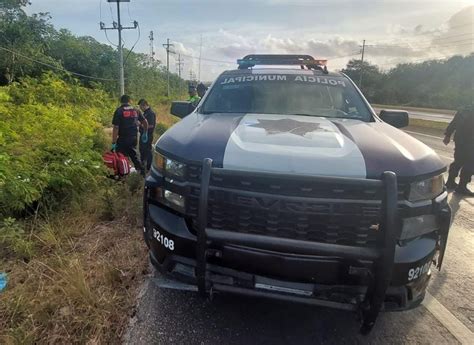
{"x": 284, "y": 183}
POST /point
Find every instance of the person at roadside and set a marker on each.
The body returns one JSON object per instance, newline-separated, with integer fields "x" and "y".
{"x": 146, "y": 155}
{"x": 124, "y": 135}
{"x": 462, "y": 126}
{"x": 193, "y": 96}
{"x": 201, "y": 90}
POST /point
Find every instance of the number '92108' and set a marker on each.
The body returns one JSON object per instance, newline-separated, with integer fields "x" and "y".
{"x": 163, "y": 240}
{"x": 417, "y": 272}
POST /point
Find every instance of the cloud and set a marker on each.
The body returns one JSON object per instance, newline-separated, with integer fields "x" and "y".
{"x": 459, "y": 35}
{"x": 332, "y": 48}
{"x": 455, "y": 36}
{"x": 238, "y": 46}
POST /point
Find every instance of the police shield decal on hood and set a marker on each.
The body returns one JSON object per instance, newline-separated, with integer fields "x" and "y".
{"x": 299, "y": 144}
{"x": 292, "y": 144}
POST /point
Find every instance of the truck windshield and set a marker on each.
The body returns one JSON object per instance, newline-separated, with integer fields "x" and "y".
{"x": 299, "y": 94}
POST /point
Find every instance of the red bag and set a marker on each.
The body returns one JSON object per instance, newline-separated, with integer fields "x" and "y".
{"x": 117, "y": 162}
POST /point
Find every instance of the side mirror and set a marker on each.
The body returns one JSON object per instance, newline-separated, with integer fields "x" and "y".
{"x": 181, "y": 109}
{"x": 396, "y": 118}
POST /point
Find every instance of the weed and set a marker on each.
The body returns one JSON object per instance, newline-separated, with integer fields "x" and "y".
{"x": 14, "y": 240}
{"x": 81, "y": 282}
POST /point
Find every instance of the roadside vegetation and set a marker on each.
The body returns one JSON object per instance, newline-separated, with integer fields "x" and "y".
{"x": 70, "y": 238}
{"x": 443, "y": 84}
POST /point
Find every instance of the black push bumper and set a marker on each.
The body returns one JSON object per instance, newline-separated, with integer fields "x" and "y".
{"x": 366, "y": 279}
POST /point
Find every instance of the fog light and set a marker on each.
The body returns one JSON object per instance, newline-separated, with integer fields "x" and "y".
{"x": 174, "y": 199}
{"x": 417, "y": 226}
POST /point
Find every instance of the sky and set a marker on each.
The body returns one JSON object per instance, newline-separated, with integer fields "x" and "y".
{"x": 394, "y": 31}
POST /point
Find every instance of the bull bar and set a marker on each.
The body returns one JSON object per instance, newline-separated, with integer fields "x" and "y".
{"x": 382, "y": 256}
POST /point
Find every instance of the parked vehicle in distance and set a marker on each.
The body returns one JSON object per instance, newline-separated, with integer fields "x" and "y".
{"x": 284, "y": 183}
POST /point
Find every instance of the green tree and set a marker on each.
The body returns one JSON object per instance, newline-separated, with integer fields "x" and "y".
{"x": 86, "y": 56}
{"x": 445, "y": 84}
{"x": 20, "y": 32}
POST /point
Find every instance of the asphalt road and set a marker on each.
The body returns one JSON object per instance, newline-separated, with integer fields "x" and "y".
{"x": 446, "y": 317}
{"x": 424, "y": 115}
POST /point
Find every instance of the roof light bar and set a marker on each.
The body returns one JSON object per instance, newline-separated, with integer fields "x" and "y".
{"x": 307, "y": 61}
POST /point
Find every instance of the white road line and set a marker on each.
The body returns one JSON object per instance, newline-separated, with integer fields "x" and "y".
{"x": 425, "y": 135}
{"x": 448, "y": 320}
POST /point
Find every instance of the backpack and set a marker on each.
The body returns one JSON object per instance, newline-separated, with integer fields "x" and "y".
{"x": 117, "y": 162}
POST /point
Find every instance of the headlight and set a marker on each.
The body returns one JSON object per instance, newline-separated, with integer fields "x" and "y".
{"x": 174, "y": 168}
{"x": 426, "y": 189}
{"x": 174, "y": 200}
{"x": 168, "y": 166}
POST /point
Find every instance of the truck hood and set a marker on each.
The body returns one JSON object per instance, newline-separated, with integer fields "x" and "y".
{"x": 296, "y": 144}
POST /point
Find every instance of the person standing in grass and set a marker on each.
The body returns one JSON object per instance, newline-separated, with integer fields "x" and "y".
{"x": 193, "y": 96}
{"x": 124, "y": 135}
{"x": 146, "y": 155}
{"x": 462, "y": 126}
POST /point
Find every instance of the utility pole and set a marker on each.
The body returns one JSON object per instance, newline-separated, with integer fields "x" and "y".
{"x": 192, "y": 76}
{"x": 180, "y": 64}
{"x": 118, "y": 26}
{"x": 362, "y": 65}
{"x": 200, "y": 55}
{"x": 152, "y": 46}
{"x": 167, "y": 46}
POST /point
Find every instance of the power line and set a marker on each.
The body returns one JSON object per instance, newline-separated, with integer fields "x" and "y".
{"x": 134, "y": 45}
{"x": 55, "y": 67}
{"x": 437, "y": 30}
{"x": 344, "y": 56}
{"x": 111, "y": 12}
{"x": 441, "y": 39}
{"x": 105, "y": 31}
{"x": 210, "y": 60}
{"x": 128, "y": 9}
{"x": 409, "y": 42}
{"x": 437, "y": 58}
{"x": 421, "y": 47}
{"x": 118, "y": 26}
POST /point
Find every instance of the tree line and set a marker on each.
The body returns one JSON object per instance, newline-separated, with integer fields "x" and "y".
{"x": 445, "y": 84}
{"x": 33, "y": 46}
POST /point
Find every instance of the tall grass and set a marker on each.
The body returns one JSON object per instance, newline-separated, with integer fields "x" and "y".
{"x": 79, "y": 286}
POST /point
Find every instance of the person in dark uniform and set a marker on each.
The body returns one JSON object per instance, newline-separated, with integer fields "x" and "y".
{"x": 146, "y": 155}
{"x": 124, "y": 135}
{"x": 201, "y": 90}
{"x": 462, "y": 126}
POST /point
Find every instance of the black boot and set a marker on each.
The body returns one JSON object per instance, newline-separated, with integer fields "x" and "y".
{"x": 464, "y": 180}
{"x": 451, "y": 184}
{"x": 454, "y": 170}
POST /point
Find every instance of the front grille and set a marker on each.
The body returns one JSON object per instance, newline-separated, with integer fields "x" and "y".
{"x": 288, "y": 187}
{"x": 337, "y": 213}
